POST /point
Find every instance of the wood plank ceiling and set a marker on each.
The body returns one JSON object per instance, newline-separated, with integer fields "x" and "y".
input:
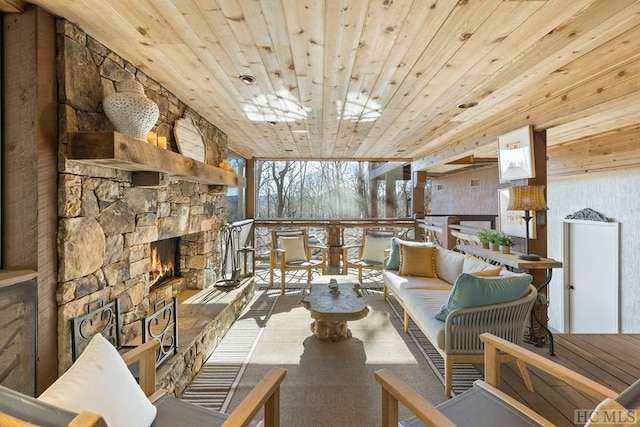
{"x": 381, "y": 79}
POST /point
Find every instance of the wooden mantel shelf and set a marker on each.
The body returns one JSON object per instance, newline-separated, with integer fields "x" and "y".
{"x": 118, "y": 151}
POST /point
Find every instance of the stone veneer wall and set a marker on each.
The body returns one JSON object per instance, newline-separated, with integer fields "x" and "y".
{"x": 106, "y": 224}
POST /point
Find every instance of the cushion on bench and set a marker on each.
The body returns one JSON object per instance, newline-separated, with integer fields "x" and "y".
{"x": 472, "y": 264}
{"x": 99, "y": 381}
{"x": 471, "y": 291}
{"x": 423, "y": 304}
{"x": 448, "y": 264}
{"x": 399, "y": 285}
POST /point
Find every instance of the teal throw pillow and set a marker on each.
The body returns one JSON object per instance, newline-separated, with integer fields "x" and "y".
{"x": 471, "y": 291}
{"x": 393, "y": 261}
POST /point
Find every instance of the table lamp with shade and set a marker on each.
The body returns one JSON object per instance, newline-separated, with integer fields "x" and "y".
{"x": 528, "y": 198}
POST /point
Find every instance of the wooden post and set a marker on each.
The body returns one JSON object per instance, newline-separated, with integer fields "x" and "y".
{"x": 334, "y": 240}
{"x": 448, "y": 241}
{"x": 373, "y": 194}
{"x": 491, "y": 365}
{"x": 389, "y": 196}
{"x": 418, "y": 181}
{"x": 389, "y": 409}
{"x": 29, "y": 172}
{"x": 250, "y": 189}
{"x": 538, "y": 245}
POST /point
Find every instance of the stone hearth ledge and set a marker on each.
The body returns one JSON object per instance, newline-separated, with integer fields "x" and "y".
{"x": 202, "y": 323}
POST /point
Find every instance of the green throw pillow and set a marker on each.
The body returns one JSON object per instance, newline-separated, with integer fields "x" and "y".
{"x": 393, "y": 261}
{"x": 471, "y": 291}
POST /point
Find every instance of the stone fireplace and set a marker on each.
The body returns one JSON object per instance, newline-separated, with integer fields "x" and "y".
{"x": 165, "y": 262}
{"x": 107, "y": 225}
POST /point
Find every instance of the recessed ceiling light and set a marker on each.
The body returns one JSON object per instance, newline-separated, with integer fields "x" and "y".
{"x": 469, "y": 104}
{"x": 247, "y": 79}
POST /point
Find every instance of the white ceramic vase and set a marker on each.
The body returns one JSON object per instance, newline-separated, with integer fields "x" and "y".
{"x": 130, "y": 111}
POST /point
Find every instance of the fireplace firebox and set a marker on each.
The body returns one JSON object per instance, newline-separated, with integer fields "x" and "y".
{"x": 165, "y": 261}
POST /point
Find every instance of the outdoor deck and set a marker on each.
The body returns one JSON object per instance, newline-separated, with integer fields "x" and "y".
{"x": 611, "y": 360}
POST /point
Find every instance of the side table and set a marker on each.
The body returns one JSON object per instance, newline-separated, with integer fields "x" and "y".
{"x": 512, "y": 263}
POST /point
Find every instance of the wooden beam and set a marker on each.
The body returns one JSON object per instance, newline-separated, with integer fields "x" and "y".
{"x": 382, "y": 170}
{"x": 473, "y": 160}
{"x": 12, "y": 6}
{"x": 466, "y": 160}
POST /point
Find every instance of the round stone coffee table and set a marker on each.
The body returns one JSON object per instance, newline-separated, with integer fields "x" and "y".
{"x": 333, "y": 301}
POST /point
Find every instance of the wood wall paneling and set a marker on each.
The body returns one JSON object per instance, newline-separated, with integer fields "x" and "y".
{"x": 11, "y": 6}
{"x": 30, "y": 168}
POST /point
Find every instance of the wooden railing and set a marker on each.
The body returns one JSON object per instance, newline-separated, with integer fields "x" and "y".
{"x": 444, "y": 230}
{"x": 451, "y": 230}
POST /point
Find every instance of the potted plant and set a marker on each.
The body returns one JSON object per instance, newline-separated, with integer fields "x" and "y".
{"x": 505, "y": 242}
{"x": 483, "y": 236}
{"x": 490, "y": 237}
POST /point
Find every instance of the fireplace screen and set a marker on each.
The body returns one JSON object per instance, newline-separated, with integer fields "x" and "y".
{"x": 165, "y": 261}
{"x": 237, "y": 255}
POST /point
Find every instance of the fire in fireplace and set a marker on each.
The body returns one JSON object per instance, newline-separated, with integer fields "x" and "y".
{"x": 165, "y": 261}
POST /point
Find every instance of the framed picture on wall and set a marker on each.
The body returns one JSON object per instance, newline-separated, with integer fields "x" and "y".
{"x": 515, "y": 155}
{"x": 511, "y": 222}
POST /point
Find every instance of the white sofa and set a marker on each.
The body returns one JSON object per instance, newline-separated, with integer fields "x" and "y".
{"x": 457, "y": 338}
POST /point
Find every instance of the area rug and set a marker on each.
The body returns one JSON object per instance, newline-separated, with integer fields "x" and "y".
{"x": 296, "y": 279}
{"x": 464, "y": 374}
{"x": 327, "y": 384}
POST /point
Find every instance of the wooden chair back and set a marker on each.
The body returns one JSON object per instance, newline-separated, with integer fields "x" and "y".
{"x": 291, "y": 233}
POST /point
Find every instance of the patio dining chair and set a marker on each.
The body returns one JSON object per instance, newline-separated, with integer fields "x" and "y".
{"x": 291, "y": 251}
{"x": 371, "y": 251}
